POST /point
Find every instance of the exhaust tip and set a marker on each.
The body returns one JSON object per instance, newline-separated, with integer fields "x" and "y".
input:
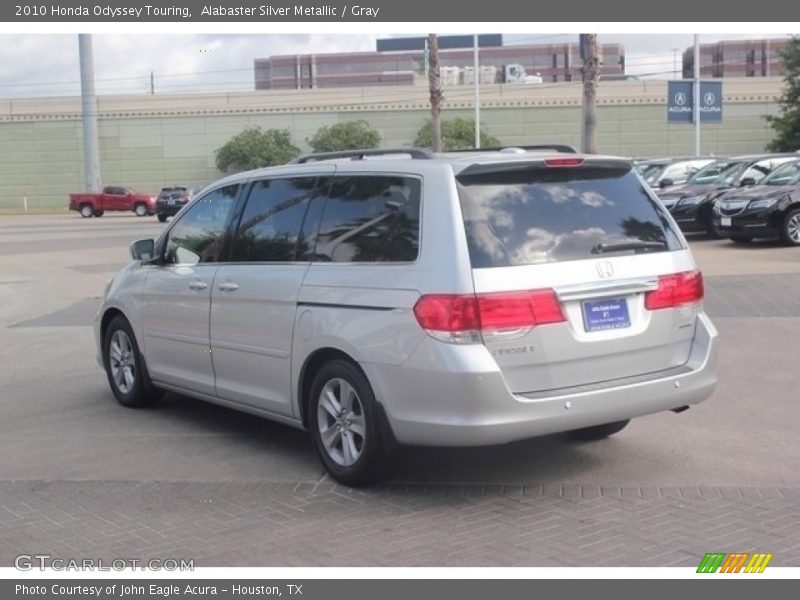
{"x": 680, "y": 409}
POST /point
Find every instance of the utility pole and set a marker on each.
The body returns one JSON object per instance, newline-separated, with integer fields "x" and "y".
{"x": 91, "y": 153}
{"x": 696, "y": 103}
{"x": 435, "y": 85}
{"x": 152, "y": 84}
{"x": 476, "y": 65}
{"x": 675, "y": 63}
{"x": 591, "y": 73}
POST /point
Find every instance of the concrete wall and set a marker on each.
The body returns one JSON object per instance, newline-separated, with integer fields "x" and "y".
{"x": 150, "y": 141}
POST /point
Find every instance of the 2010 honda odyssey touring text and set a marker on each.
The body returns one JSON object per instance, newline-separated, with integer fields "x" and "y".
{"x": 378, "y": 297}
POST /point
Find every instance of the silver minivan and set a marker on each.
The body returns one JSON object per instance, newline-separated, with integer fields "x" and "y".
{"x": 399, "y": 296}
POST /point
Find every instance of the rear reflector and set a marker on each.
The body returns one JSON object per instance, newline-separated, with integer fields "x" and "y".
{"x": 563, "y": 162}
{"x": 676, "y": 290}
{"x": 467, "y": 314}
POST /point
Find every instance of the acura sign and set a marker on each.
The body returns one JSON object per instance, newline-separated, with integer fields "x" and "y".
{"x": 680, "y": 103}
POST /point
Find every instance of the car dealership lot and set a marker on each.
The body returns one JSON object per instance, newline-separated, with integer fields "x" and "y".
{"x": 83, "y": 476}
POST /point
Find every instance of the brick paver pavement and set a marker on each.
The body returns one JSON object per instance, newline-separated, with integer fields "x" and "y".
{"x": 323, "y": 524}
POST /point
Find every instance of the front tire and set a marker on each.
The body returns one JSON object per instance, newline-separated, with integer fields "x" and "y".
{"x": 86, "y": 211}
{"x": 140, "y": 210}
{"x": 790, "y": 234}
{"x": 99, "y": 213}
{"x": 162, "y": 218}
{"x": 345, "y": 424}
{"x": 598, "y": 432}
{"x": 124, "y": 366}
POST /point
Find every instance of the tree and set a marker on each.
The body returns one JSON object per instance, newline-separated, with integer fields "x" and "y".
{"x": 591, "y": 74}
{"x": 787, "y": 124}
{"x": 353, "y": 135}
{"x": 435, "y": 88}
{"x": 457, "y": 134}
{"x": 254, "y": 148}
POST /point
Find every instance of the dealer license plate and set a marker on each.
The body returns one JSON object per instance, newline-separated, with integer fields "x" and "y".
{"x": 608, "y": 313}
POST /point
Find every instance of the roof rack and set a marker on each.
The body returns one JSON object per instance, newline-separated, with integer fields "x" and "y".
{"x": 551, "y": 147}
{"x": 417, "y": 153}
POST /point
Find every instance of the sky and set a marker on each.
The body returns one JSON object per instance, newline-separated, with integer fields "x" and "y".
{"x": 36, "y": 65}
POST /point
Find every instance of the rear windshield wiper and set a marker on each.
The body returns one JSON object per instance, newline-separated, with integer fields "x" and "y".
{"x": 602, "y": 248}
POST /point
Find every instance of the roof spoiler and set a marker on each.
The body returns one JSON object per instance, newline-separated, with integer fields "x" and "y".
{"x": 541, "y": 163}
{"x": 562, "y": 148}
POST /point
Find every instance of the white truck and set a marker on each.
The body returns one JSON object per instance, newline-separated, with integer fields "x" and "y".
{"x": 517, "y": 74}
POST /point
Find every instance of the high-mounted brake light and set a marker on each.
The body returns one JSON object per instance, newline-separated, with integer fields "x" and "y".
{"x": 563, "y": 162}
{"x": 674, "y": 290}
{"x": 463, "y": 317}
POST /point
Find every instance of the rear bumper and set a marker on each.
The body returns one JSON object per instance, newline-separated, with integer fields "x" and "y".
{"x": 168, "y": 210}
{"x": 430, "y": 402}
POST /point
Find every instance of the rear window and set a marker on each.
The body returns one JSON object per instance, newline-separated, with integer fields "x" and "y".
{"x": 540, "y": 216}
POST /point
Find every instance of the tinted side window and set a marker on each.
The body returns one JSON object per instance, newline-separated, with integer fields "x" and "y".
{"x": 269, "y": 229}
{"x": 550, "y": 215}
{"x": 198, "y": 236}
{"x": 370, "y": 219}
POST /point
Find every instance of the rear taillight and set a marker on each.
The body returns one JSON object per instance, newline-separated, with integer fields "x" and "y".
{"x": 676, "y": 290}
{"x": 462, "y": 318}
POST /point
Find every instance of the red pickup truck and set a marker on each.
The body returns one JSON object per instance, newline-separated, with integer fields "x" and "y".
{"x": 113, "y": 198}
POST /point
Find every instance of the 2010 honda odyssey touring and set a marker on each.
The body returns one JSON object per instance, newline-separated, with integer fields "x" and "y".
{"x": 378, "y": 297}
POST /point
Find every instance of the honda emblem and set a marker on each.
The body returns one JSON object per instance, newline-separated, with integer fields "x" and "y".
{"x": 604, "y": 268}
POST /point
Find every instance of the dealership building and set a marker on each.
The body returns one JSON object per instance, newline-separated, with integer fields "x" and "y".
{"x": 149, "y": 141}
{"x": 401, "y": 62}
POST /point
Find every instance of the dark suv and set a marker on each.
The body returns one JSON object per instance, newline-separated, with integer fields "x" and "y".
{"x": 691, "y": 205}
{"x": 171, "y": 199}
{"x": 771, "y": 209}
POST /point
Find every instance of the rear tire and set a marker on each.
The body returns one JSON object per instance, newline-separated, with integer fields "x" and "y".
{"x": 741, "y": 239}
{"x": 140, "y": 210}
{"x": 598, "y": 432}
{"x": 125, "y": 369}
{"x": 86, "y": 211}
{"x": 99, "y": 213}
{"x": 345, "y": 424}
{"x": 162, "y": 218}
{"x": 790, "y": 233}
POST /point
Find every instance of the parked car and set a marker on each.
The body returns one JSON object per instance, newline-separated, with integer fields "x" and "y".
{"x": 172, "y": 199}
{"x": 769, "y": 210}
{"x": 661, "y": 173}
{"x": 112, "y": 198}
{"x": 460, "y": 299}
{"x": 691, "y": 204}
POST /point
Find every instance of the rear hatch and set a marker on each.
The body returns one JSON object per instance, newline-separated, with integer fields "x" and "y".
{"x": 579, "y": 275}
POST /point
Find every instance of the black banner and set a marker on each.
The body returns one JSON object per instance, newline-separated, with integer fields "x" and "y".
{"x": 496, "y": 11}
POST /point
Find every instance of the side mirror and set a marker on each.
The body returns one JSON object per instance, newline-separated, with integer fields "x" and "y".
{"x": 666, "y": 182}
{"x": 746, "y": 181}
{"x": 143, "y": 250}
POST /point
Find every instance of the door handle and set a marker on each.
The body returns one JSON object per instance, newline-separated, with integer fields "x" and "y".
{"x": 198, "y": 285}
{"x": 228, "y": 286}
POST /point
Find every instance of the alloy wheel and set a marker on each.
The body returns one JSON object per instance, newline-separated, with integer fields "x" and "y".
{"x": 122, "y": 362}
{"x": 793, "y": 228}
{"x": 342, "y": 426}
